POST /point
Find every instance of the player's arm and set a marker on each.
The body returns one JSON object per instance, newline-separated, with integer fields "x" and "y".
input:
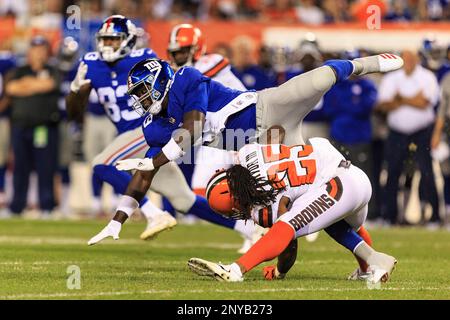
{"x": 129, "y": 202}
{"x": 76, "y": 102}
{"x": 136, "y": 190}
{"x": 419, "y": 101}
{"x": 289, "y": 255}
{"x": 182, "y": 140}
{"x": 390, "y": 105}
{"x": 80, "y": 88}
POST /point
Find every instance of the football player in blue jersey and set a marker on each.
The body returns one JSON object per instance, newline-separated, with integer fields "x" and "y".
{"x": 106, "y": 72}
{"x": 184, "y": 107}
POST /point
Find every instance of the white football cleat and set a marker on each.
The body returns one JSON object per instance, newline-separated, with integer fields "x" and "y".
{"x": 158, "y": 224}
{"x": 384, "y": 62}
{"x": 111, "y": 230}
{"x": 359, "y": 275}
{"x": 218, "y": 271}
{"x": 381, "y": 270}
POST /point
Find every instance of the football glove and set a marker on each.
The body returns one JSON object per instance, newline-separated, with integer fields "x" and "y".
{"x": 111, "y": 230}
{"x": 80, "y": 78}
{"x": 145, "y": 164}
{"x": 272, "y": 273}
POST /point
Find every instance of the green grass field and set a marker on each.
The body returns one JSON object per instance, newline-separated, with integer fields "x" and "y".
{"x": 35, "y": 256}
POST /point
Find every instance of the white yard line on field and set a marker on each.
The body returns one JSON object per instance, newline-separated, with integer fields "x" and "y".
{"x": 30, "y": 240}
{"x": 150, "y": 292}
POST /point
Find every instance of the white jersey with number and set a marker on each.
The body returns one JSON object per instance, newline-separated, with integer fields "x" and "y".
{"x": 218, "y": 68}
{"x": 299, "y": 168}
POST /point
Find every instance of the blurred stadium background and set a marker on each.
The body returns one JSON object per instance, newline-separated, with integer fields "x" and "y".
{"x": 267, "y": 42}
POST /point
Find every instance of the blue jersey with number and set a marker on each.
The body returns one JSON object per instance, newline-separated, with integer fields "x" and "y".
{"x": 109, "y": 80}
{"x": 193, "y": 91}
{"x": 7, "y": 62}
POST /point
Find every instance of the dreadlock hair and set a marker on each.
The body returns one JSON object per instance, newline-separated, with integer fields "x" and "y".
{"x": 250, "y": 191}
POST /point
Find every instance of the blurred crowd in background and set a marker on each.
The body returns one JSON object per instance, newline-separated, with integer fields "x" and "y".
{"x": 365, "y": 118}
{"x": 305, "y": 11}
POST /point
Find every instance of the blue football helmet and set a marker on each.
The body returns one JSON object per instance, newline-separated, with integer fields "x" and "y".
{"x": 68, "y": 54}
{"x": 117, "y": 27}
{"x": 432, "y": 53}
{"x": 148, "y": 83}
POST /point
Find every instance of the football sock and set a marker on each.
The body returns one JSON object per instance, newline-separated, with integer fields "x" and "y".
{"x": 269, "y": 246}
{"x": 202, "y": 210}
{"x": 342, "y": 68}
{"x": 363, "y": 233}
{"x": 364, "y": 251}
{"x": 167, "y": 206}
{"x": 234, "y": 267}
{"x": 343, "y": 234}
{"x": 366, "y": 237}
{"x": 96, "y": 183}
{"x": 149, "y": 210}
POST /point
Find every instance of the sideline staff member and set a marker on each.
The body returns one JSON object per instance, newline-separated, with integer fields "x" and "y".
{"x": 34, "y": 118}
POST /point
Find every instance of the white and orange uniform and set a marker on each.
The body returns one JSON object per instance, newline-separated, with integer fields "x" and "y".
{"x": 321, "y": 191}
{"x": 217, "y": 68}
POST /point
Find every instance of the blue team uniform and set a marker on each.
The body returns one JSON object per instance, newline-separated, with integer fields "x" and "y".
{"x": 7, "y": 62}
{"x": 193, "y": 91}
{"x": 256, "y": 78}
{"x": 110, "y": 83}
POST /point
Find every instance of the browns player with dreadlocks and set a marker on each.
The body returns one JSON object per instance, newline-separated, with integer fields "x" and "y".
{"x": 296, "y": 191}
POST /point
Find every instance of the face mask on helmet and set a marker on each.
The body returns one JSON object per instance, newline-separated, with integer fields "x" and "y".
{"x": 148, "y": 84}
{"x": 116, "y": 38}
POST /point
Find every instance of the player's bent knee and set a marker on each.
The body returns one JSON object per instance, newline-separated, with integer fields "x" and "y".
{"x": 323, "y": 78}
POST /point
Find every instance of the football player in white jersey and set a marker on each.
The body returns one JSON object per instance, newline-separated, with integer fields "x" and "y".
{"x": 187, "y": 47}
{"x": 299, "y": 190}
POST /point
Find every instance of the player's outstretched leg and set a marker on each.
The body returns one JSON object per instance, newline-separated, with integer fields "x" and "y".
{"x": 290, "y": 102}
{"x": 384, "y": 62}
{"x": 157, "y": 219}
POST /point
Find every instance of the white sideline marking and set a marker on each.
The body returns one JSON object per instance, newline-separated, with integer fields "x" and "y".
{"x": 124, "y": 293}
{"x": 87, "y": 262}
{"x": 30, "y": 240}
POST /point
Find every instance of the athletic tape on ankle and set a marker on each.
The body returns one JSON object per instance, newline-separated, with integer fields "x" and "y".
{"x": 128, "y": 205}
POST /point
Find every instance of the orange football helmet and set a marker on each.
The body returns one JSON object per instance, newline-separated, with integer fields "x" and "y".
{"x": 219, "y": 195}
{"x": 187, "y": 36}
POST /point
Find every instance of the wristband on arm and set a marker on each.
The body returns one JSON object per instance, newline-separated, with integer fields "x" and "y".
{"x": 172, "y": 150}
